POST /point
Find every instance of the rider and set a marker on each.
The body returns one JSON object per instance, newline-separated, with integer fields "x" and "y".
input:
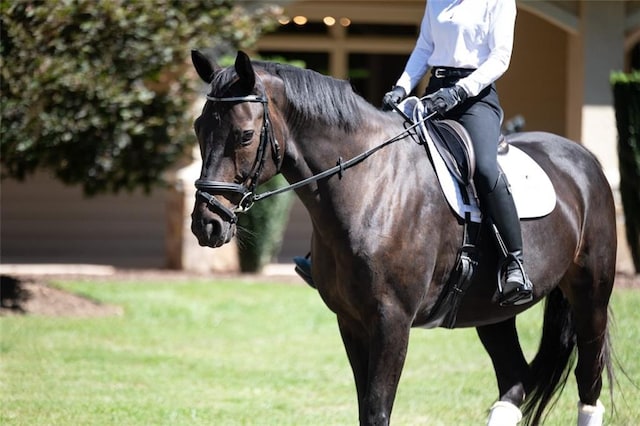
{"x": 468, "y": 46}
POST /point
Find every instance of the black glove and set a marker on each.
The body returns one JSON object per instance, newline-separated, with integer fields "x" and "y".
{"x": 445, "y": 99}
{"x": 392, "y": 98}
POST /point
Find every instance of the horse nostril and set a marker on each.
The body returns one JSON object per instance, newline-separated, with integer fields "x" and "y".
{"x": 211, "y": 228}
{"x": 208, "y": 229}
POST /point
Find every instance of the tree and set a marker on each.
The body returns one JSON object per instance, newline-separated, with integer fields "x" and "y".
{"x": 100, "y": 92}
{"x": 626, "y": 94}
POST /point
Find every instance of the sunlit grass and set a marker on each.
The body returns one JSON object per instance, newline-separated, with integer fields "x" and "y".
{"x": 244, "y": 353}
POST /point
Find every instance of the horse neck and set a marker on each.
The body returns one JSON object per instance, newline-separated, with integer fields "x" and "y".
{"x": 319, "y": 145}
{"x": 314, "y": 147}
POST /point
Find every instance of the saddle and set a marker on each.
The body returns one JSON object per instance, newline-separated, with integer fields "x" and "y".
{"x": 454, "y": 146}
{"x": 451, "y": 152}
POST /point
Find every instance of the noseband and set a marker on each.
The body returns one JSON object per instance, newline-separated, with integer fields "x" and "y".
{"x": 208, "y": 189}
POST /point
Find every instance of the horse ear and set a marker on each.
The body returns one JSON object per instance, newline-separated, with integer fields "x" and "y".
{"x": 245, "y": 71}
{"x": 204, "y": 67}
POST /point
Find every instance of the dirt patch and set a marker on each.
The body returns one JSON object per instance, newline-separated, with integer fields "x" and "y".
{"x": 29, "y": 297}
{"x": 33, "y": 294}
{"x": 25, "y": 295}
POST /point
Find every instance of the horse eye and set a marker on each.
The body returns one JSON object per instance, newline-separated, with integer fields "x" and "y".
{"x": 247, "y": 136}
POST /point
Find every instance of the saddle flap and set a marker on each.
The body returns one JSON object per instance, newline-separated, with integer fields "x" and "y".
{"x": 454, "y": 146}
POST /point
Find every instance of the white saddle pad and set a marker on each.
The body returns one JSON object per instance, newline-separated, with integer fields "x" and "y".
{"x": 532, "y": 190}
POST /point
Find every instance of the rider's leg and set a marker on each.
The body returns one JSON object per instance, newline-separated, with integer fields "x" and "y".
{"x": 482, "y": 120}
{"x": 499, "y": 205}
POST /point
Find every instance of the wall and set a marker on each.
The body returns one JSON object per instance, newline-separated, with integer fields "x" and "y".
{"x": 535, "y": 84}
{"x": 43, "y": 221}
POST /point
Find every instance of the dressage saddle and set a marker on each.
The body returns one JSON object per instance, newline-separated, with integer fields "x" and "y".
{"x": 454, "y": 146}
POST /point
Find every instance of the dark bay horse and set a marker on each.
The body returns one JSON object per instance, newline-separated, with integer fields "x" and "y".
{"x": 384, "y": 239}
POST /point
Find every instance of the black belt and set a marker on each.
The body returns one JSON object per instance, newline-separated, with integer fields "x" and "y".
{"x": 448, "y": 72}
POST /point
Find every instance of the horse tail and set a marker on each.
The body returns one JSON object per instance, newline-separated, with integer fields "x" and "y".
{"x": 556, "y": 355}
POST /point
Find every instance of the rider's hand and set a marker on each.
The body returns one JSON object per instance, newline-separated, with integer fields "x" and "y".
{"x": 394, "y": 97}
{"x": 445, "y": 99}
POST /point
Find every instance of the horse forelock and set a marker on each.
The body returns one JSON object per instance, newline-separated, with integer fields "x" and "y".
{"x": 222, "y": 82}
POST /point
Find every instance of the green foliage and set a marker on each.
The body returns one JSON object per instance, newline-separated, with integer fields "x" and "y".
{"x": 262, "y": 227}
{"x": 626, "y": 91}
{"x": 619, "y": 77}
{"x": 99, "y": 92}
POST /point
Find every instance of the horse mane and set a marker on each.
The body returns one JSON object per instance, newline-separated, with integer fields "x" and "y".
{"x": 314, "y": 96}
{"x": 311, "y": 96}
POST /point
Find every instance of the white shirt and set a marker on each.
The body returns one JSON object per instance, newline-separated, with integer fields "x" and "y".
{"x": 474, "y": 34}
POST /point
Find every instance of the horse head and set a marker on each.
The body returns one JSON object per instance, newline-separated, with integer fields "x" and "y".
{"x": 237, "y": 144}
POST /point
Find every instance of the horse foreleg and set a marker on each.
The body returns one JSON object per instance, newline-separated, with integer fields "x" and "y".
{"x": 358, "y": 355}
{"x": 512, "y": 371}
{"x": 387, "y": 354}
{"x": 377, "y": 356}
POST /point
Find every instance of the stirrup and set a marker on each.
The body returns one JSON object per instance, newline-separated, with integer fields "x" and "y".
{"x": 514, "y": 293}
{"x": 519, "y": 295}
{"x": 303, "y": 268}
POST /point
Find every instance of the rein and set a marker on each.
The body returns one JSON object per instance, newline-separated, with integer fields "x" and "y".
{"x": 207, "y": 189}
{"x": 338, "y": 168}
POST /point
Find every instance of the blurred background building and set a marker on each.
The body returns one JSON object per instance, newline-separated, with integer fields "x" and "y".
{"x": 558, "y": 81}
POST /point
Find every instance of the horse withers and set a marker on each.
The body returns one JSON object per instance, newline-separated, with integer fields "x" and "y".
{"x": 385, "y": 241}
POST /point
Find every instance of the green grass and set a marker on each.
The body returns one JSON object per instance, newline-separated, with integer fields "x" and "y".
{"x": 241, "y": 353}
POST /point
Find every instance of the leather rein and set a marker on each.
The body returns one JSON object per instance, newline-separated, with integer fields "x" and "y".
{"x": 208, "y": 189}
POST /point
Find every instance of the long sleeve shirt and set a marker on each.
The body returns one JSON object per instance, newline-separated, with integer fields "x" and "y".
{"x": 476, "y": 34}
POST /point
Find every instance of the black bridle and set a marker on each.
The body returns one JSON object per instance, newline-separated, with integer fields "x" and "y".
{"x": 208, "y": 189}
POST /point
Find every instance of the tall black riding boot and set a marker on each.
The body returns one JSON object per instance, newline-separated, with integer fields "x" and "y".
{"x": 515, "y": 288}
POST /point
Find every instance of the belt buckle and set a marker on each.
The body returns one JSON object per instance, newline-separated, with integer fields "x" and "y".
{"x": 440, "y": 73}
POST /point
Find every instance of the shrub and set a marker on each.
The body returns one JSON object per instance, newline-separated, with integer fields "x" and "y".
{"x": 99, "y": 93}
{"x": 261, "y": 229}
{"x": 626, "y": 91}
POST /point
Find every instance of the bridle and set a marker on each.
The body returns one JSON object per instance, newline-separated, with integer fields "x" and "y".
{"x": 208, "y": 189}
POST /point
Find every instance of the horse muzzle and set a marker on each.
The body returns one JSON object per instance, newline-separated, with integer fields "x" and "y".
{"x": 213, "y": 222}
{"x": 209, "y": 228}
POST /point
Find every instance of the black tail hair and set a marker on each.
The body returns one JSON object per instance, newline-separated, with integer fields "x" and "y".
{"x": 556, "y": 355}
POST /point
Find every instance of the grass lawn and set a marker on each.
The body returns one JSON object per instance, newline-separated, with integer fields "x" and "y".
{"x": 243, "y": 353}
